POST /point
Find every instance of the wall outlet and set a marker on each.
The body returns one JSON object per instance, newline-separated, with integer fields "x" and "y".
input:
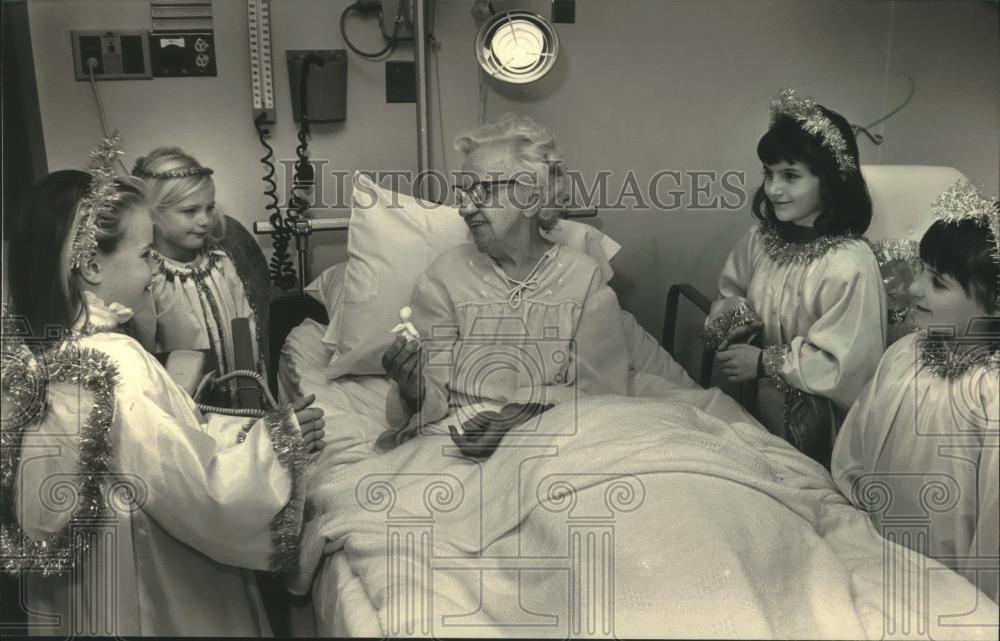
{"x": 183, "y": 55}
{"x": 115, "y": 55}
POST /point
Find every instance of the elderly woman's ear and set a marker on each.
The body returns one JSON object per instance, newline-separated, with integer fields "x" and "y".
{"x": 532, "y": 204}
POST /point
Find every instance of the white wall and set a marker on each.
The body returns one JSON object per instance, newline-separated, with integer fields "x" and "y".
{"x": 642, "y": 85}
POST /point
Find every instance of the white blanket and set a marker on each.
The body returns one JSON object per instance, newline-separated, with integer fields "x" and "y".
{"x": 695, "y": 523}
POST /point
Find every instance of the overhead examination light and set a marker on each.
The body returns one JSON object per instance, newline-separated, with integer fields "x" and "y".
{"x": 517, "y": 46}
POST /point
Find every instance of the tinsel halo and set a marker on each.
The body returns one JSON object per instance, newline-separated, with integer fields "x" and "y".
{"x": 176, "y": 173}
{"x": 101, "y": 197}
{"x": 807, "y": 113}
{"x": 965, "y": 202}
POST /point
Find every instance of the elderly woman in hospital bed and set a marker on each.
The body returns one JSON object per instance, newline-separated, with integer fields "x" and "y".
{"x": 512, "y": 318}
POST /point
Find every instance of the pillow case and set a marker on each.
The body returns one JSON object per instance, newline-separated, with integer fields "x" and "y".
{"x": 328, "y": 289}
{"x": 392, "y": 239}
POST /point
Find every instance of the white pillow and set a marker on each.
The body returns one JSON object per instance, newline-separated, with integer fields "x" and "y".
{"x": 328, "y": 289}
{"x": 392, "y": 240}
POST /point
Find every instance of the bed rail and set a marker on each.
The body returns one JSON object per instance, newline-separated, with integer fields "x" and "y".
{"x": 670, "y": 325}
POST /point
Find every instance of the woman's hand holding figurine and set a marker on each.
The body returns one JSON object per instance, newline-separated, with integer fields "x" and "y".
{"x": 402, "y": 363}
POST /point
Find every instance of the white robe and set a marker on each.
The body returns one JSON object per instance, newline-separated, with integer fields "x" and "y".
{"x": 192, "y": 307}
{"x": 830, "y": 312}
{"x": 921, "y": 453}
{"x": 204, "y": 506}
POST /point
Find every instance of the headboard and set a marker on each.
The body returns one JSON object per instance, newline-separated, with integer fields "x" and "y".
{"x": 902, "y": 197}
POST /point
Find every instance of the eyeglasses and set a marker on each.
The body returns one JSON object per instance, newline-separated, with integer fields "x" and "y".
{"x": 479, "y": 193}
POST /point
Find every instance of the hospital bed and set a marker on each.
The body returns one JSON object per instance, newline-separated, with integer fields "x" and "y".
{"x": 702, "y": 525}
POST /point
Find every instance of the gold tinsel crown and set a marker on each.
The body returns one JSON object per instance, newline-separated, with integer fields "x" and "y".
{"x": 811, "y": 118}
{"x": 101, "y": 196}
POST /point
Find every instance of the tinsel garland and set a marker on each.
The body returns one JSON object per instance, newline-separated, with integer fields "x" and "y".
{"x": 899, "y": 262}
{"x": 95, "y": 372}
{"x": 951, "y": 359}
{"x": 716, "y": 332}
{"x": 171, "y": 273}
{"x": 286, "y": 527}
{"x": 774, "y": 359}
{"x": 786, "y": 252}
{"x": 904, "y": 250}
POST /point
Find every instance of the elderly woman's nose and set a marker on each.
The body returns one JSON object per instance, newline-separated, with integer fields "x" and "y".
{"x": 467, "y": 209}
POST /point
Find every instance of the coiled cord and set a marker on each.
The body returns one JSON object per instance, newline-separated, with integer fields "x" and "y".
{"x": 280, "y": 268}
{"x": 304, "y": 175}
{"x": 212, "y": 379}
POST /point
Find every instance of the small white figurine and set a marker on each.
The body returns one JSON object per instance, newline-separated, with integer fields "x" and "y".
{"x": 405, "y": 327}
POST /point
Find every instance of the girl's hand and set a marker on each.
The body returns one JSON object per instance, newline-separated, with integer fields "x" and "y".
{"x": 739, "y": 362}
{"x": 310, "y": 423}
{"x": 402, "y": 364}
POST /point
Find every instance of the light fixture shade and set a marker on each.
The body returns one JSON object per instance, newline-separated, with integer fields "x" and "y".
{"x": 517, "y": 47}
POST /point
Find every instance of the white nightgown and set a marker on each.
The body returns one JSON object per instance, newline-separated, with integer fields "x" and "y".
{"x": 486, "y": 339}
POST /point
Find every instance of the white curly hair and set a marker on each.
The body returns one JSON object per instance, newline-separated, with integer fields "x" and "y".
{"x": 535, "y": 147}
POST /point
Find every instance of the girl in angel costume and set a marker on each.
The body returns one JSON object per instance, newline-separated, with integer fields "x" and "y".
{"x": 919, "y": 450}
{"x": 802, "y": 308}
{"x": 129, "y": 512}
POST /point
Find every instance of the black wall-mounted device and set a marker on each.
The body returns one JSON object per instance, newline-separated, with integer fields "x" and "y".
{"x": 400, "y": 81}
{"x": 325, "y": 87}
{"x": 563, "y": 11}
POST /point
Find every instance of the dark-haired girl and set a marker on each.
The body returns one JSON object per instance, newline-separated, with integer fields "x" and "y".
{"x": 920, "y": 450}
{"x": 802, "y": 307}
